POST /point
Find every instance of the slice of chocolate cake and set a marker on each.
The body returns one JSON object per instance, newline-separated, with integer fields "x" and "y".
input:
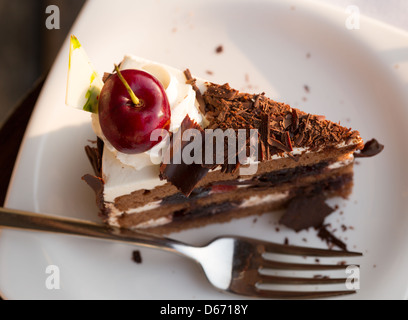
{"x": 228, "y": 155}
{"x": 174, "y": 152}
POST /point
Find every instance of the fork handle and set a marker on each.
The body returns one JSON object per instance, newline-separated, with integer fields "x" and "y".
{"x": 17, "y": 219}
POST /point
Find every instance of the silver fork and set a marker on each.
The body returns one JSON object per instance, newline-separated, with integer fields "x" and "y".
{"x": 231, "y": 263}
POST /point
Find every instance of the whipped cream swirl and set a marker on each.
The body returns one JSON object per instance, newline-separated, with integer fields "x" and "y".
{"x": 182, "y": 99}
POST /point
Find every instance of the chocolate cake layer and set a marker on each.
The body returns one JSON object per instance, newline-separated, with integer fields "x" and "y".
{"x": 228, "y": 210}
{"x": 141, "y": 197}
{"x": 220, "y": 196}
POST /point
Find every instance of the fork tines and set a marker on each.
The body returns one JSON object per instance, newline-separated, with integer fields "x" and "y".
{"x": 305, "y": 251}
{"x": 265, "y": 280}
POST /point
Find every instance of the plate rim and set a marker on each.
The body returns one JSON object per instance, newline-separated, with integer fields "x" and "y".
{"x": 35, "y": 115}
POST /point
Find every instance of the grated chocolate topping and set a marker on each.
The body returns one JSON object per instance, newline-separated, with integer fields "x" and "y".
{"x": 281, "y": 127}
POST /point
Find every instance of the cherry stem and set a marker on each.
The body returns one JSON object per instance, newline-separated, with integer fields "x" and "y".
{"x": 133, "y": 97}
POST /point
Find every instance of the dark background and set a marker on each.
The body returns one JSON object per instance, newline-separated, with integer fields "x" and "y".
{"x": 27, "y": 51}
{"x": 27, "y": 47}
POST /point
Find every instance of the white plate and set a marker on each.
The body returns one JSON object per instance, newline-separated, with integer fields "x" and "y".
{"x": 358, "y": 77}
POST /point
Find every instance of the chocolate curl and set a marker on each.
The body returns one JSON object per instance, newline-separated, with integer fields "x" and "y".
{"x": 184, "y": 176}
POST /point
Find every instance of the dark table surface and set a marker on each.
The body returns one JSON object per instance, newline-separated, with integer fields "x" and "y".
{"x": 12, "y": 133}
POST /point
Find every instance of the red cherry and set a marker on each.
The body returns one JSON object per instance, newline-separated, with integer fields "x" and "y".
{"x": 128, "y": 125}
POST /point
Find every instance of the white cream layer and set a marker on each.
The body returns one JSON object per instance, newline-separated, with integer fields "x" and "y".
{"x": 341, "y": 163}
{"x": 153, "y": 223}
{"x": 258, "y": 200}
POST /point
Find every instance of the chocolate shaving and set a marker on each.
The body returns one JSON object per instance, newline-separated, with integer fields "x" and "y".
{"x": 371, "y": 148}
{"x": 288, "y": 121}
{"x": 199, "y": 96}
{"x": 295, "y": 120}
{"x": 230, "y": 168}
{"x": 97, "y": 184}
{"x": 299, "y": 139}
{"x": 136, "y": 256}
{"x": 95, "y": 156}
{"x": 191, "y": 82}
{"x": 264, "y": 132}
{"x": 304, "y": 212}
{"x": 219, "y": 49}
{"x": 256, "y": 101}
{"x": 221, "y": 115}
{"x": 330, "y": 239}
{"x": 184, "y": 176}
{"x": 288, "y": 142}
{"x": 307, "y": 125}
{"x": 94, "y": 159}
{"x": 277, "y": 144}
{"x": 106, "y": 76}
{"x": 222, "y": 92}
